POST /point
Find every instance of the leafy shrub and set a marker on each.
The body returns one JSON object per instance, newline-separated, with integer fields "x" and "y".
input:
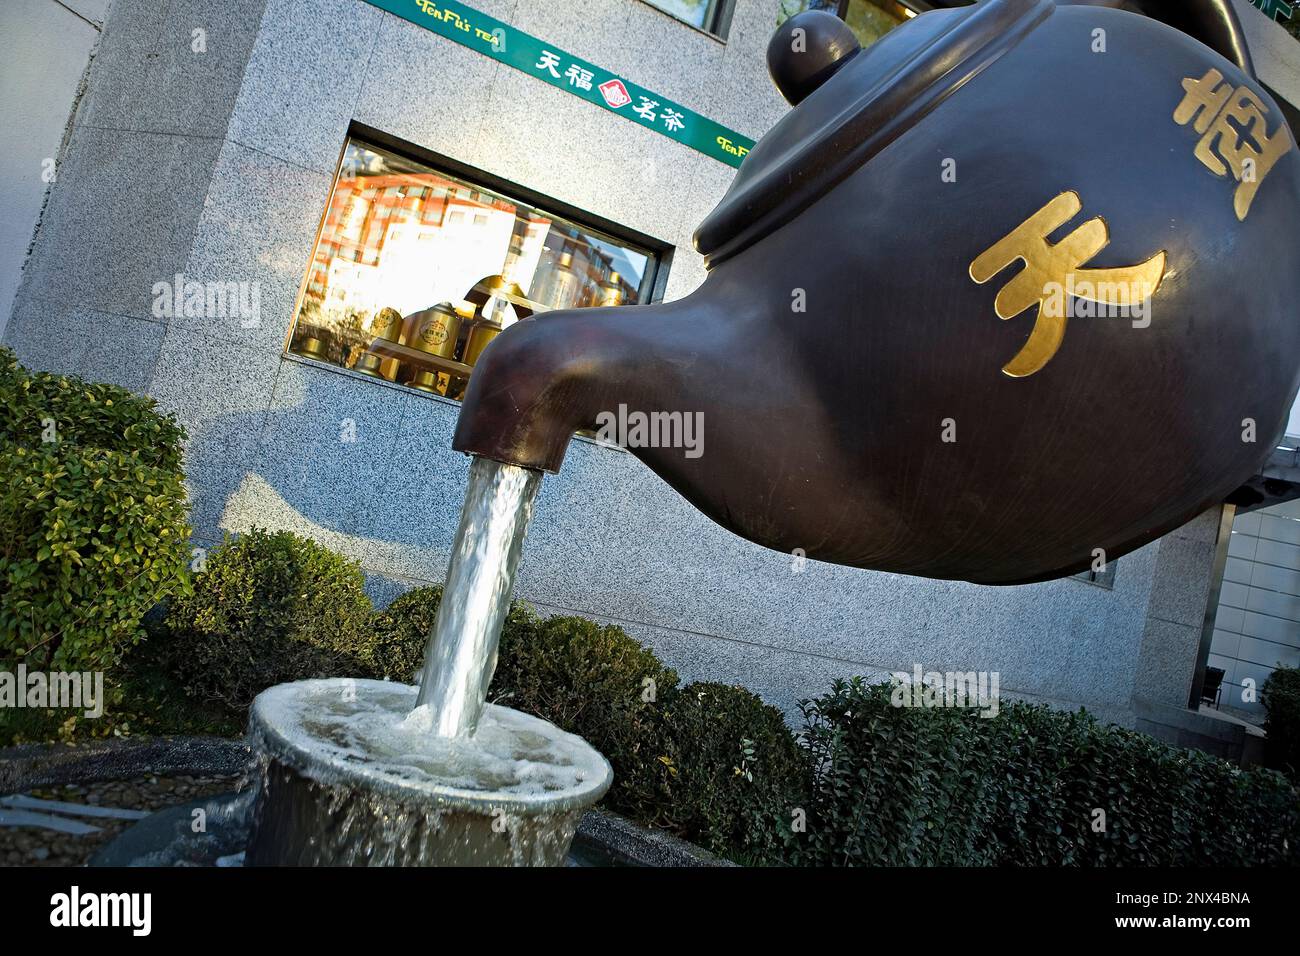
{"x": 935, "y": 786}
{"x": 889, "y": 786}
{"x": 267, "y": 608}
{"x": 598, "y": 682}
{"x": 1281, "y": 699}
{"x": 85, "y": 415}
{"x": 401, "y": 631}
{"x": 736, "y": 773}
{"x": 93, "y": 525}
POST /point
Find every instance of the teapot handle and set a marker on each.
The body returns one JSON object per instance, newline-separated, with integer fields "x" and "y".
{"x": 1213, "y": 22}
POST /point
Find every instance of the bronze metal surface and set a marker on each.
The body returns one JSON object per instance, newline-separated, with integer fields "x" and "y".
{"x": 847, "y": 368}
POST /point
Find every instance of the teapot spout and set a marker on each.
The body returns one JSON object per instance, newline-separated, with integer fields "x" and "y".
{"x": 545, "y": 378}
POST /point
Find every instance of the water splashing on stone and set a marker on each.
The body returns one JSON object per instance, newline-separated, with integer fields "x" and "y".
{"x": 352, "y": 775}
{"x": 370, "y": 773}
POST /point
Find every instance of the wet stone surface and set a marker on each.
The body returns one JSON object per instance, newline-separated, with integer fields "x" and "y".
{"x": 37, "y": 846}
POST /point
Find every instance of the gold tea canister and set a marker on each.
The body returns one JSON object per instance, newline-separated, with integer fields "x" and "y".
{"x": 386, "y": 326}
{"x": 435, "y": 330}
{"x": 427, "y": 381}
{"x": 310, "y": 346}
{"x": 480, "y": 336}
{"x": 611, "y": 293}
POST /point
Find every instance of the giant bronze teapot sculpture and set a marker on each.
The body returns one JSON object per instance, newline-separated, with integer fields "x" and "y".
{"x": 1015, "y": 283}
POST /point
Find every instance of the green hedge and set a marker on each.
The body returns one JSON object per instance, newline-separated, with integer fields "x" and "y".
{"x": 268, "y": 607}
{"x": 945, "y": 786}
{"x": 864, "y": 783}
{"x": 710, "y": 762}
{"x": 93, "y": 527}
{"x": 1281, "y": 698}
{"x": 400, "y": 632}
{"x": 597, "y": 682}
{"x": 85, "y": 415}
{"x": 737, "y": 778}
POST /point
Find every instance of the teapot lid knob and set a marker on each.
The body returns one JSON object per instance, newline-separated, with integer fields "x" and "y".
{"x": 807, "y": 50}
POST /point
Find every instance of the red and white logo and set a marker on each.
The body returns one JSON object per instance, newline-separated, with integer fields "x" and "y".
{"x": 615, "y": 93}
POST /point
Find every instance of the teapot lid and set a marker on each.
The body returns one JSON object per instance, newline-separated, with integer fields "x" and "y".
{"x": 866, "y": 100}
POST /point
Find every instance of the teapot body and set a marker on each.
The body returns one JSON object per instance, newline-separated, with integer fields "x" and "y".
{"x": 1048, "y": 321}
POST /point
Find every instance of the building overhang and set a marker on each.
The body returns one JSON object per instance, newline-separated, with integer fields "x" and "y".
{"x": 1277, "y": 482}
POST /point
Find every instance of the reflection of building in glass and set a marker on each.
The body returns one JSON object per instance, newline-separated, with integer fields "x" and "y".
{"x": 703, "y": 14}
{"x": 577, "y": 270}
{"x": 868, "y": 19}
{"x": 405, "y": 241}
{"x": 405, "y": 237}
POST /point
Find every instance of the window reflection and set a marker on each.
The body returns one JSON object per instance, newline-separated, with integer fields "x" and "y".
{"x": 705, "y": 14}
{"x": 868, "y": 19}
{"x": 416, "y": 271}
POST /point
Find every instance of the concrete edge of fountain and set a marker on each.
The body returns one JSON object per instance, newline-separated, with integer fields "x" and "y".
{"x": 635, "y": 845}
{"x": 272, "y": 730}
{"x": 29, "y": 766}
{"x": 165, "y": 838}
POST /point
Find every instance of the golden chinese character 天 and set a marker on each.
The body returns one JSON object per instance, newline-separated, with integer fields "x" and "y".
{"x": 1054, "y": 270}
{"x": 1234, "y": 134}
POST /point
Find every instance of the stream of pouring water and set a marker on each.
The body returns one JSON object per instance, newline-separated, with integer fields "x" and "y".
{"x": 462, "y": 651}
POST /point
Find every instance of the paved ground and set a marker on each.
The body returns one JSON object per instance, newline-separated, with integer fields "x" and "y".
{"x": 35, "y": 833}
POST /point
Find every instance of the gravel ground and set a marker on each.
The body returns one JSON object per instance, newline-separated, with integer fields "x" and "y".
{"x": 32, "y": 846}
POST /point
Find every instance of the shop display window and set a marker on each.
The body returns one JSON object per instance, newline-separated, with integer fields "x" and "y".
{"x": 415, "y": 271}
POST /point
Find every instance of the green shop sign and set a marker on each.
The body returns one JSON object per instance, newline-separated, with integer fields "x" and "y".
{"x": 547, "y": 62}
{"x": 1280, "y": 10}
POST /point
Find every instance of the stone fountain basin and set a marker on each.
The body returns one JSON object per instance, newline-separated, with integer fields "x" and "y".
{"x": 168, "y": 837}
{"x": 353, "y": 774}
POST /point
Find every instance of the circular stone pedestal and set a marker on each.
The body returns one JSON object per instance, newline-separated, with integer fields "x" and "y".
{"x": 353, "y": 775}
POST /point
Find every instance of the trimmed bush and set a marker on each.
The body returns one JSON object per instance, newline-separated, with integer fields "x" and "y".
{"x": 1281, "y": 698}
{"x": 597, "y": 682}
{"x": 93, "y": 527}
{"x": 736, "y": 773}
{"x": 888, "y": 785}
{"x": 400, "y": 633}
{"x": 944, "y": 786}
{"x": 267, "y": 608}
{"x": 85, "y": 415}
